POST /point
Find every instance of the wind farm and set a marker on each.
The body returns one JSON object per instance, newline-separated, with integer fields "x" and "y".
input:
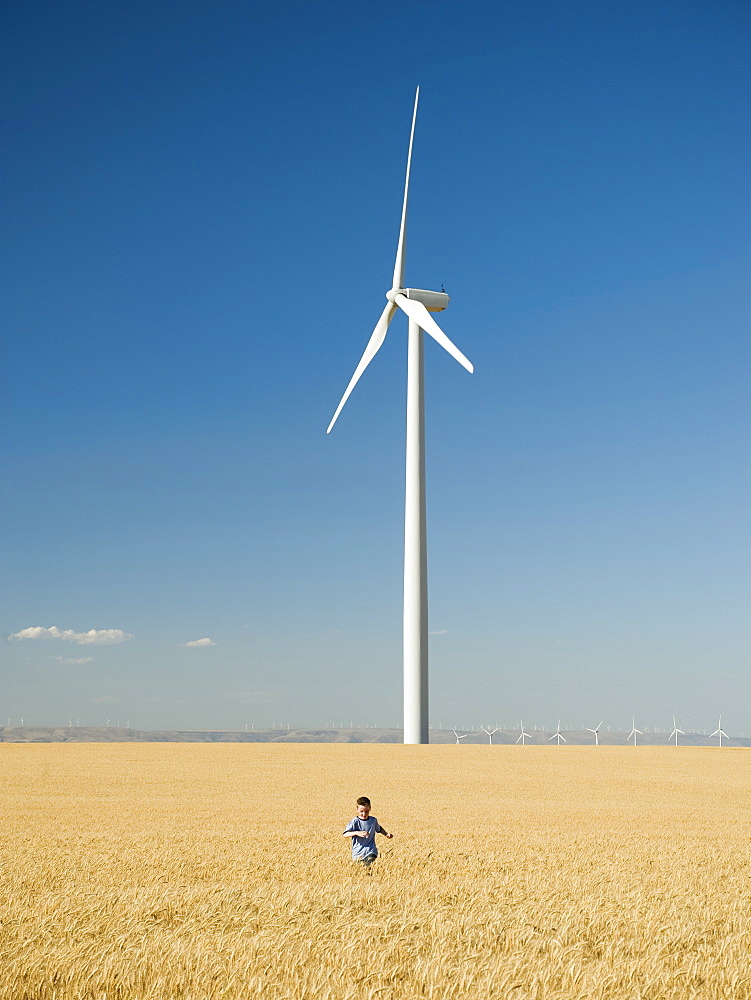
{"x": 497, "y": 736}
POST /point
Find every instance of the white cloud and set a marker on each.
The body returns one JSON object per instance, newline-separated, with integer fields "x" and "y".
{"x": 73, "y": 659}
{"x": 440, "y": 631}
{"x": 200, "y": 642}
{"x": 94, "y": 637}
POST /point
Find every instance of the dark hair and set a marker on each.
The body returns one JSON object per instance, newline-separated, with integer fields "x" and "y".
{"x": 363, "y": 801}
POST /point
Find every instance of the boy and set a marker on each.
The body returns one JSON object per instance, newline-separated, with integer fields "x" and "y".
{"x": 362, "y": 829}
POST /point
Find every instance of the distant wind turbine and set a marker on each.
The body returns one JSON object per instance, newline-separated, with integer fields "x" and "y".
{"x": 634, "y": 731}
{"x": 418, "y": 304}
{"x": 596, "y": 731}
{"x": 523, "y": 737}
{"x": 720, "y": 732}
{"x": 557, "y": 735}
{"x": 458, "y": 737}
{"x": 490, "y": 733}
{"x": 675, "y": 733}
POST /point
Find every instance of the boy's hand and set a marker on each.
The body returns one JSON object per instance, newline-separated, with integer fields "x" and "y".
{"x": 362, "y": 833}
{"x": 389, "y": 836}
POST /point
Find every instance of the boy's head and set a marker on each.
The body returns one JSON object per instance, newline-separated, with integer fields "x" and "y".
{"x": 363, "y": 807}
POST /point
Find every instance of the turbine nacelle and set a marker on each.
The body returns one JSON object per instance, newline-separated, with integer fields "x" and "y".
{"x": 434, "y": 302}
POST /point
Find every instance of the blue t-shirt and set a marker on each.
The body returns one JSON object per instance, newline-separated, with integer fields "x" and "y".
{"x": 364, "y": 847}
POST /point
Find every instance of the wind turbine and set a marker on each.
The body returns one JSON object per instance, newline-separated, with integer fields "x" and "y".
{"x": 418, "y": 304}
{"x": 720, "y": 732}
{"x": 596, "y": 731}
{"x": 458, "y": 737}
{"x": 634, "y": 731}
{"x": 557, "y": 735}
{"x": 675, "y": 732}
{"x": 489, "y": 732}
{"x": 522, "y": 735}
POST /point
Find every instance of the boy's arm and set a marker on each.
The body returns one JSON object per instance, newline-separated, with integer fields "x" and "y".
{"x": 383, "y": 830}
{"x": 352, "y": 831}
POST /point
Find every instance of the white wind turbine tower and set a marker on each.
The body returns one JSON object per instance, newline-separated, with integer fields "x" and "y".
{"x": 458, "y": 737}
{"x": 596, "y": 731}
{"x": 489, "y": 732}
{"x": 634, "y": 731}
{"x": 418, "y": 304}
{"x": 720, "y": 732}
{"x": 522, "y": 735}
{"x": 557, "y": 735}
{"x": 675, "y": 732}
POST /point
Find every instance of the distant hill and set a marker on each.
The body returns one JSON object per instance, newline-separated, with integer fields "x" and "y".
{"x": 112, "y": 734}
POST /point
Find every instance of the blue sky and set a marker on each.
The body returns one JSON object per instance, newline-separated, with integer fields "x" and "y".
{"x": 202, "y": 213}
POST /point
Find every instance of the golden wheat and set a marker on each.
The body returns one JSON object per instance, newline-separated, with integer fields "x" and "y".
{"x": 199, "y": 872}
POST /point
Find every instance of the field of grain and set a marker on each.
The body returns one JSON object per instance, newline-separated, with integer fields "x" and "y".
{"x": 195, "y": 872}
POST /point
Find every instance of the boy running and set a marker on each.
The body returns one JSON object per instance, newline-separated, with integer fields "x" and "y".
{"x": 362, "y": 829}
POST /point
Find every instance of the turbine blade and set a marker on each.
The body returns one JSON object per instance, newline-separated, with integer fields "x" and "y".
{"x": 376, "y": 340}
{"x": 417, "y": 312}
{"x": 401, "y": 246}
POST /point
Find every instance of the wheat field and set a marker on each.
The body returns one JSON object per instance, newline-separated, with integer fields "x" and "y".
{"x": 199, "y": 872}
